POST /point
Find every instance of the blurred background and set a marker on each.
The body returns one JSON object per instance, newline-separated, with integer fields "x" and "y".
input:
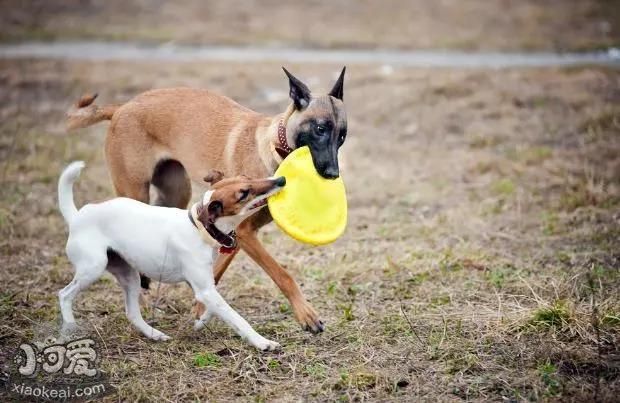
{"x": 401, "y": 24}
{"x": 482, "y": 167}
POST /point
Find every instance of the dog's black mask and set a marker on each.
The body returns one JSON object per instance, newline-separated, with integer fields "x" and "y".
{"x": 324, "y": 140}
{"x": 322, "y": 124}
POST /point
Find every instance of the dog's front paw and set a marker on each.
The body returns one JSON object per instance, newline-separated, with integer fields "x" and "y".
{"x": 308, "y": 318}
{"x": 200, "y": 323}
{"x": 266, "y": 345}
{"x": 158, "y": 336}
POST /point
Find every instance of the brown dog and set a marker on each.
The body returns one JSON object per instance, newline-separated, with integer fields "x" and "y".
{"x": 169, "y": 137}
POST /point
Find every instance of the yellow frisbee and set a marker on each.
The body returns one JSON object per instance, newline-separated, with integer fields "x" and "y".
{"x": 309, "y": 208}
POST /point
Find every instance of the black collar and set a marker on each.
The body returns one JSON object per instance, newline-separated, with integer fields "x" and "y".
{"x": 226, "y": 240}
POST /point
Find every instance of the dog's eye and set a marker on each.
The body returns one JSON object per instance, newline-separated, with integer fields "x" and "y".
{"x": 320, "y": 129}
{"x": 244, "y": 194}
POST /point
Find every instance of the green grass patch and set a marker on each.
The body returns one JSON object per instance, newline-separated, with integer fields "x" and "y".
{"x": 440, "y": 300}
{"x": 503, "y": 187}
{"x": 202, "y": 360}
{"x": 556, "y": 315}
{"x": 284, "y": 308}
{"x": 360, "y": 380}
{"x": 316, "y": 370}
{"x": 273, "y": 364}
{"x": 496, "y": 278}
{"x": 347, "y": 312}
{"x": 395, "y": 325}
{"x": 419, "y": 278}
{"x": 462, "y": 362}
{"x": 549, "y": 223}
{"x": 611, "y": 319}
{"x": 534, "y": 155}
{"x": 548, "y": 374}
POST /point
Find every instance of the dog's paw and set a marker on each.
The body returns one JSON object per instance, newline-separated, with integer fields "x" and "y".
{"x": 309, "y": 319}
{"x": 158, "y": 336}
{"x": 266, "y": 345}
{"x": 69, "y": 329}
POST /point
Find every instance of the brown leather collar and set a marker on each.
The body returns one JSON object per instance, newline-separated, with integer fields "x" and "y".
{"x": 282, "y": 148}
{"x": 228, "y": 241}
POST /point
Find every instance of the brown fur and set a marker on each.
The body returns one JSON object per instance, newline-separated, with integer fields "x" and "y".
{"x": 232, "y": 195}
{"x": 167, "y": 137}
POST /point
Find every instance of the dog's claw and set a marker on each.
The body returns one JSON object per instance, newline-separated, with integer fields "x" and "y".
{"x": 309, "y": 319}
{"x": 316, "y": 328}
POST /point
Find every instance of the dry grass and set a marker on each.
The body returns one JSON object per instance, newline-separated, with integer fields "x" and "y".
{"x": 480, "y": 262}
{"x": 406, "y": 24}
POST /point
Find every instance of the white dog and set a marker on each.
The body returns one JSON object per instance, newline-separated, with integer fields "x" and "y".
{"x": 125, "y": 236}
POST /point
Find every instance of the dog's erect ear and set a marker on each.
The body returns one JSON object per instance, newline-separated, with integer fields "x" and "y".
{"x": 298, "y": 91}
{"x": 338, "y": 90}
{"x": 213, "y": 177}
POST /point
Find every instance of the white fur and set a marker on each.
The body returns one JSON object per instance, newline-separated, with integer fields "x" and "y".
{"x": 160, "y": 242}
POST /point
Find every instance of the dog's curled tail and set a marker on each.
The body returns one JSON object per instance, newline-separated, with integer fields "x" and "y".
{"x": 84, "y": 113}
{"x": 65, "y": 190}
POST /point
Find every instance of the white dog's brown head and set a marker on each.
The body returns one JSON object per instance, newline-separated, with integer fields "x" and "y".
{"x": 232, "y": 200}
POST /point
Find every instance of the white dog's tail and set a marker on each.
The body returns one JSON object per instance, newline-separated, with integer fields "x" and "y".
{"x": 65, "y": 190}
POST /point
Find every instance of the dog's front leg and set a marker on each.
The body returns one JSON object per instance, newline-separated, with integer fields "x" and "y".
{"x": 305, "y": 314}
{"x": 221, "y": 264}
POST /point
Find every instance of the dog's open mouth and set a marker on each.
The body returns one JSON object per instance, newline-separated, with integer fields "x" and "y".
{"x": 257, "y": 204}
{"x": 261, "y": 200}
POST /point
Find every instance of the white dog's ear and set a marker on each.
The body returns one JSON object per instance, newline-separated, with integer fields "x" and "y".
{"x": 207, "y": 215}
{"x": 214, "y": 210}
{"x": 213, "y": 177}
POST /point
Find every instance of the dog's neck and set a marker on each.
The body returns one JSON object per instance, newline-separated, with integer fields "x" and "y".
{"x": 221, "y": 232}
{"x": 281, "y": 144}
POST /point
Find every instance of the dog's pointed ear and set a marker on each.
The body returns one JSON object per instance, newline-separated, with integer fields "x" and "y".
{"x": 213, "y": 177}
{"x": 338, "y": 90}
{"x": 298, "y": 91}
{"x": 207, "y": 215}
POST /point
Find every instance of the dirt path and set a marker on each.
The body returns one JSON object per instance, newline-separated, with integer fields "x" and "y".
{"x": 126, "y": 51}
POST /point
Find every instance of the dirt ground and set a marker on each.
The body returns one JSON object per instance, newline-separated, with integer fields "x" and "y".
{"x": 406, "y": 24}
{"x": 480, "y": 260}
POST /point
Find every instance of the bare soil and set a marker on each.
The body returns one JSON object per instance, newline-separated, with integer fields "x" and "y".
{"x": 480, "y": 260}
{"x": 405, "y": 24}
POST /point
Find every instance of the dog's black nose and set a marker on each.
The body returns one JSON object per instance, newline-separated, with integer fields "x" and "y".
{"x": 330, "y": 173}
{"x": 281, "y": 181}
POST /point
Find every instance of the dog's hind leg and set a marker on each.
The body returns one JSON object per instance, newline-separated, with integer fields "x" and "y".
{"x": 129, "y": 280}
{"x": 174, "y": 188}
{"x": 89, "y": 266}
